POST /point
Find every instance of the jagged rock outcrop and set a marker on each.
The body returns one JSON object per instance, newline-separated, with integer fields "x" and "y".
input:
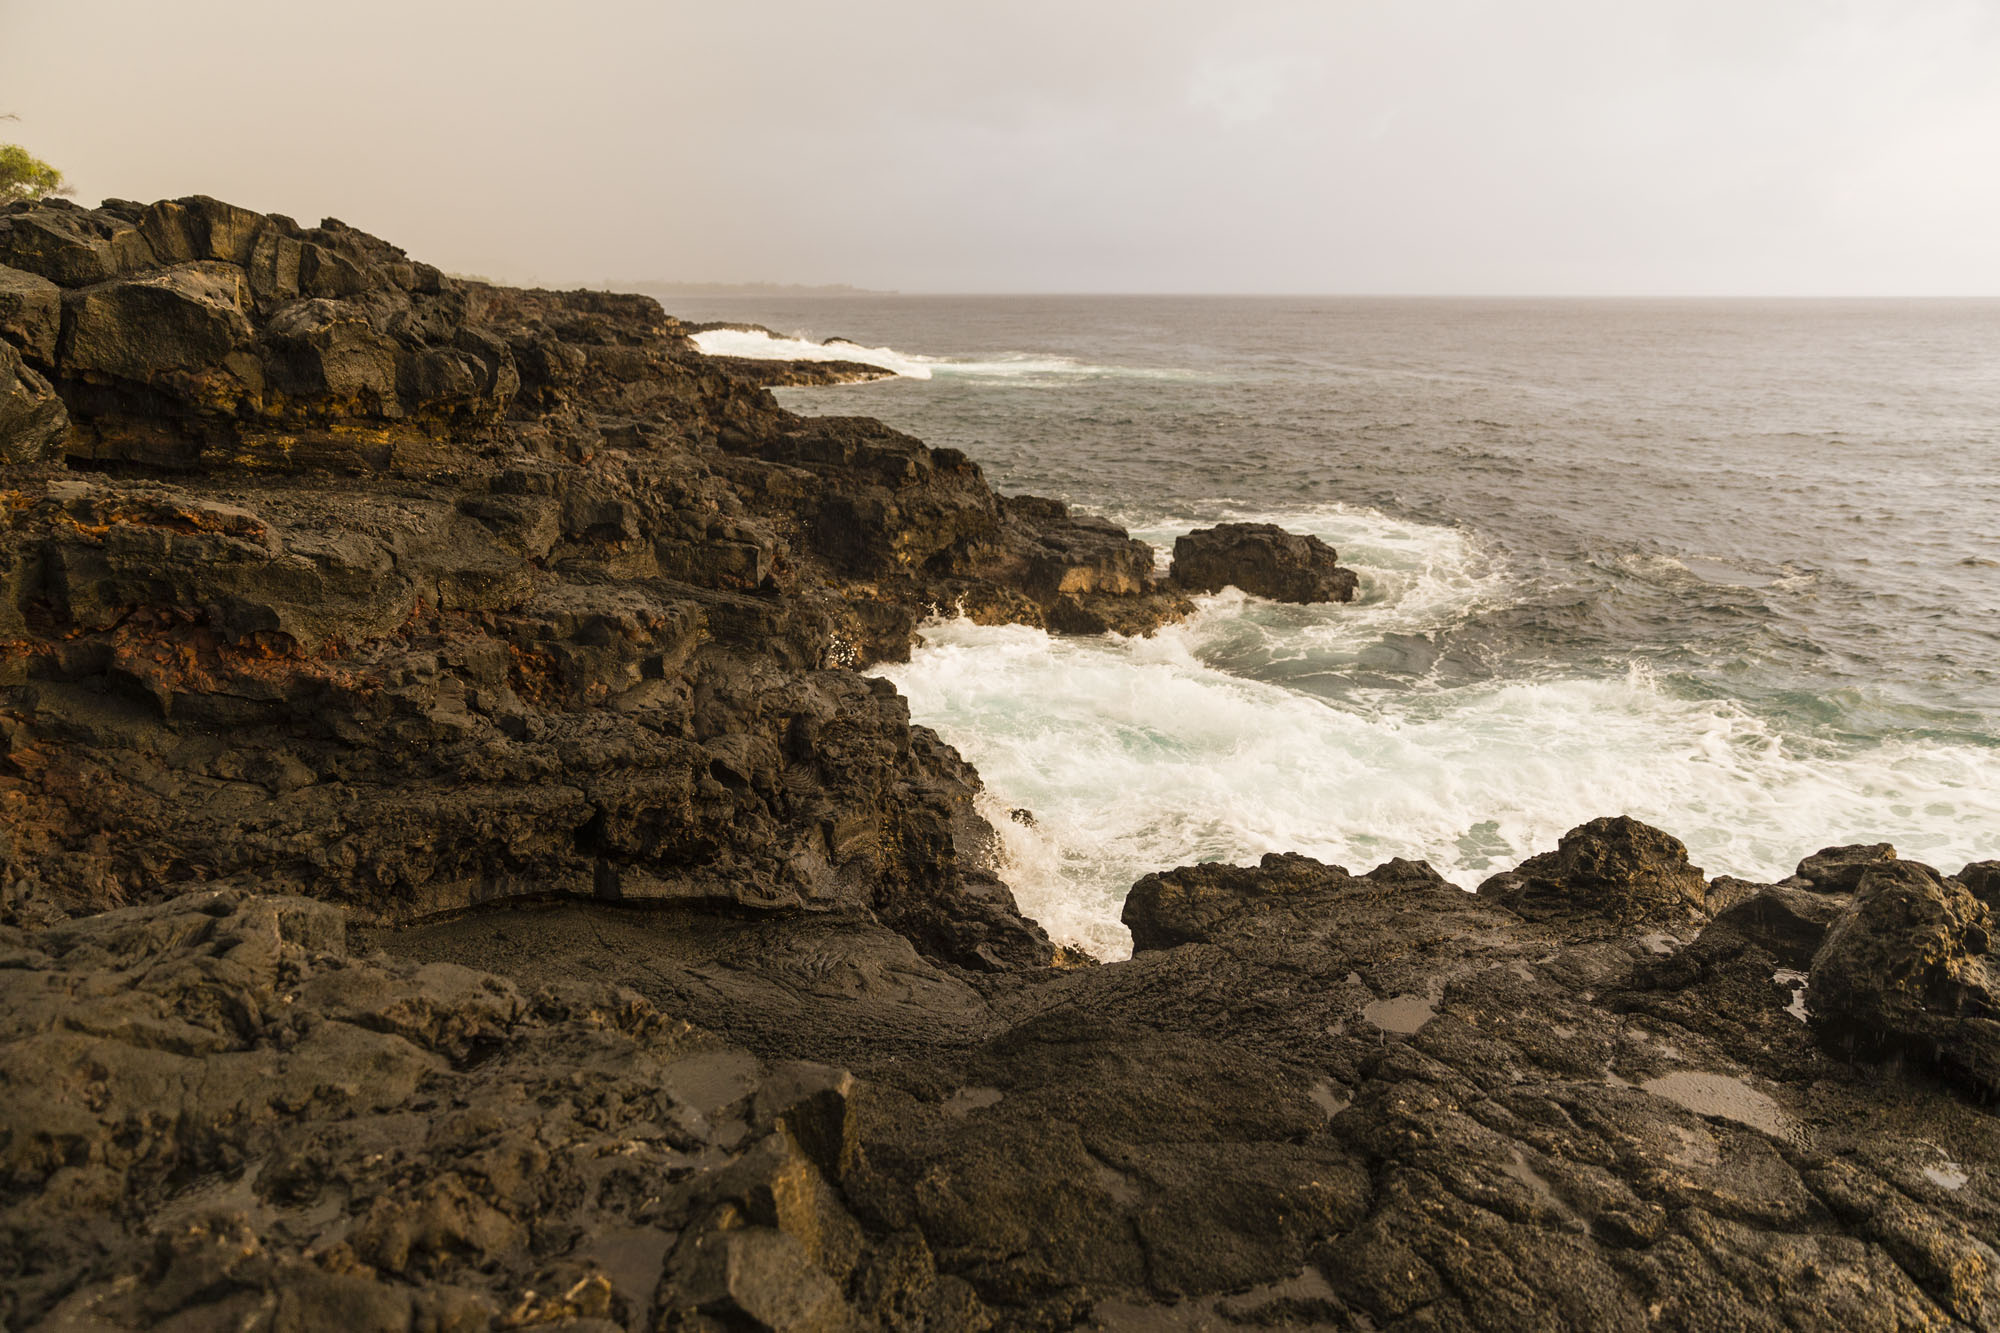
{"x": 1615, "y": 870}
{"x": 409, "y": 593}
{"x": 1909, "y": 972}
{"x": 1263, "y": 560}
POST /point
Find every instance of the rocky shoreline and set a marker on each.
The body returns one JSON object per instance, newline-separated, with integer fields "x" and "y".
{"x": 454, "y": 877}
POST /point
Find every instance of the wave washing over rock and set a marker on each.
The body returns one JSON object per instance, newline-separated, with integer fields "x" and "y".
{"x": 456, "y": 875}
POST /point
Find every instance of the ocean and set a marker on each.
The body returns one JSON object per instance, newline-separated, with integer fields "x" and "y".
{"x": 1729, "y": 567}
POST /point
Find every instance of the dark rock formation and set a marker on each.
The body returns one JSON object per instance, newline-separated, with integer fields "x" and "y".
{"x": 327, "y": 1142}
{"x": 33, "y": 423}
{"x": 375, "y": 646}
{"x": 1330, "y": 1101}
{"x": 1263, "y": 560}
{"x": 412, "y": 593}
{"x": 1983, "y": 879}
{"x": 1616, "y": 870}
{"x": 1909, "y": 971}
{"x": 1839, "y": 869}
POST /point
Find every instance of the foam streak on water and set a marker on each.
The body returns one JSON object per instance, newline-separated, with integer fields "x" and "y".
{"x": 1141, "y": 754}
{"x": 1024, "y": 367}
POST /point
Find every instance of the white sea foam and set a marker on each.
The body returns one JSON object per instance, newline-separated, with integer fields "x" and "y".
{"x": 1141, "y": 754}
{"x": 1025, "y": 366}
{"x": 763, "y": 347}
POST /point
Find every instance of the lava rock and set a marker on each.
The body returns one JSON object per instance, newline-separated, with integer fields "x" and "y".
{"x": 1910, "y": 971}
{"x": 30, "y": 315}
{"x": 1615, "y": 870}
{"x": 1839, "y": 869}
{"x": 1264, "y": 560}
{"x": 1983, "y": 879}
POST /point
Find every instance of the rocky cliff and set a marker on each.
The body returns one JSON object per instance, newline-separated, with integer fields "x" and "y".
{"x": 452, "y": 877}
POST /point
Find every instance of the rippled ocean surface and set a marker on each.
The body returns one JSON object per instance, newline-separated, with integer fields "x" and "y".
{"x": 1731, "y": 567}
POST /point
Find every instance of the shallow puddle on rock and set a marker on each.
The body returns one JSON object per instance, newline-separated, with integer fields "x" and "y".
{"x": 1796, "y": 983}
{"x": 1219, "y": 1314}
{"x": 1117, "y": 1184}
{"x": 969, "y": 1099}
{"x": 1404, "y": 1015}
{"x": 712, "y": 1081}
{"x": 1724, "y": 1097}
{"x": 631, "y": 1257}
{"x": 1538, "y": 1184}
{"x": 1328, "y": 1098}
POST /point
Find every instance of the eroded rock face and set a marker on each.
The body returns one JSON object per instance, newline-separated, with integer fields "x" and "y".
{"x": 33, "y": 422}
{"x": 1264, "y": 560}
{"x": 30, "y": 315}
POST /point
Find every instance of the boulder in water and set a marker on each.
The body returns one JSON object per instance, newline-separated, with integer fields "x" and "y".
{"x": 1263, "y": 560}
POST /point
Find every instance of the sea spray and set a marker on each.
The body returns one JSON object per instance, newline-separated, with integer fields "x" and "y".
{"x": 1133, "y": 755}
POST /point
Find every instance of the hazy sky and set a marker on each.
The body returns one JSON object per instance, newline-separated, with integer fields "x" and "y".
{"x": 1447, "y": 146}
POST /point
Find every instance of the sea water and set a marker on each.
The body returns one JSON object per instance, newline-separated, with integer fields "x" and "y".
{"x": 1730, "y": 567}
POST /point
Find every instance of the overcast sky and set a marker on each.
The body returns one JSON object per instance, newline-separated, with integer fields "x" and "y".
{"x": 1434, "y": 146}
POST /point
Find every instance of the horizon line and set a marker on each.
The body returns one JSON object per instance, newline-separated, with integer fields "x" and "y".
{"x": 834, "y": 291}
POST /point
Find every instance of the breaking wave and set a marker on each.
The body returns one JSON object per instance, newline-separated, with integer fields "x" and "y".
{"x": 1137, "y": 754}
{"x": 1025, "y": 366}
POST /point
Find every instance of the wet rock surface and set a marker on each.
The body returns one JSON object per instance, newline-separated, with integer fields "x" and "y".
{"x": 451, "y": 877}
{"x": 1327, "y": 1100}
{"x": 1264, "y": 560}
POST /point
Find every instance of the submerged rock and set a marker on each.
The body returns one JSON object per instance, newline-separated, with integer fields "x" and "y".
{"x": 1263, "y": 560}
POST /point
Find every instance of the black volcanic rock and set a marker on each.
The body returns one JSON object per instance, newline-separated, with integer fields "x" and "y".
{"x": 1910, "y": 972}
{"x": 1264, "y": 560}
{"x": 1614, "y": 870}
{"x": 1839, "y": 869}
{"x": 30, "y": 315}
{"x": 1983, "y": 878}
{"x": 413, "y": 593}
